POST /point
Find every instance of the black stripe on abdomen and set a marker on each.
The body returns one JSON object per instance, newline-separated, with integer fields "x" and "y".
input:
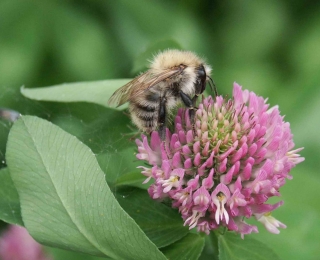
{"x": 148, "y": 115}
{"x": 145, "y": 116}
{"x": 146, "y": 108}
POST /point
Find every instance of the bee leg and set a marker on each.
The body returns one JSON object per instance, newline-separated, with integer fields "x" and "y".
{"x": 192, "y": 112}
{"x": 190, "y": 103}
{"x": 162, "y": 118}
{"x": 200, "y": 86}
{"x": 186, "y": 100}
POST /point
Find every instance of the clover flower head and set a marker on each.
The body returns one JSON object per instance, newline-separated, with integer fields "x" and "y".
{"x": 226, "y": 166}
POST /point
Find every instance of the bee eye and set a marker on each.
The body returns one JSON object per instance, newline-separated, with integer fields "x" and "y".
{"x": 201, "y": 71}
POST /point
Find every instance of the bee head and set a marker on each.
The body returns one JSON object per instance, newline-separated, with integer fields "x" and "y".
{"x": 203, "y": 75}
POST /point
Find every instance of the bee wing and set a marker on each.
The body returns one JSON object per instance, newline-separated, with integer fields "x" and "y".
{"x": 121, "y": 95}
{"x": 140, "y": 84}
{"x": 152, "y": 78}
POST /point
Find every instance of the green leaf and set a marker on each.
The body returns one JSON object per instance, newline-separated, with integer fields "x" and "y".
{"x": 232, "y": 247}
{"x": 97, "y": 92}
{"x": 59, "y": 254}
{"x": 4, "y": 131}
{"x": 211, "y": 250}
{"x": 162, "y": 224}
{"x": 64, "y": 197}
{"x": 106, "y": 131}
{"x": 188, "y": 248}
{"x": 9, "y": 200}
{"x": 134, "y": 179}
{"x": 117, "y": 161}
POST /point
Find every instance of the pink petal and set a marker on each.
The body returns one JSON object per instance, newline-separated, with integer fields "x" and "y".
{"x": 197, "y": 159}
{"x": 208, "y": 182}
{"x": 188, "y": 163}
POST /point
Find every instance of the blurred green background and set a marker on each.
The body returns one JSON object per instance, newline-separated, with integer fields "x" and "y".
{"x": 270, "y": 47}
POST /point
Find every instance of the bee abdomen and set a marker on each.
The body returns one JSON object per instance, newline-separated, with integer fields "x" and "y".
{"x": 146, "y": 113}
{"x": 146, "y": 108}
{"x": 145, "y": 116}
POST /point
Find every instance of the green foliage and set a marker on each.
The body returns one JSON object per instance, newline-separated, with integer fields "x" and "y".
{"x": 134, "y": 179}
{"x": 62, "y": 188}
{"x": 232, "y": 247}
{"x": 189, "y": 247}
{"x": 58, "y": 253}
{"x": 77, "y": 92}
{"x": 271, "y": 48}
{"x": 9, "y": 199}
{"x": 162, "y": 224}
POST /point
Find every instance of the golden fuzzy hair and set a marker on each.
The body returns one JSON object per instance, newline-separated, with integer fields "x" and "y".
{"x": 171, "y": 58}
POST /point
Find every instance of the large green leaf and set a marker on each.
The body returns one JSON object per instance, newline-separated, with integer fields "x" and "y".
{"x": 9, "y": 199}
{"x": 162, "y": 224}
{"x": 64, "y": 198}
{"x": 211, "y": 249}
{"x": 95, "y": 92}
{"x": 188, "y": 248}
{"x": 232, "y": 247}
{"x": 60, "y": 254}
{"x": 107, "y": 132}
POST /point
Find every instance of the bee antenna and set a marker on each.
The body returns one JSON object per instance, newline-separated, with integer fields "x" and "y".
{"x": 213, "y": 86}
